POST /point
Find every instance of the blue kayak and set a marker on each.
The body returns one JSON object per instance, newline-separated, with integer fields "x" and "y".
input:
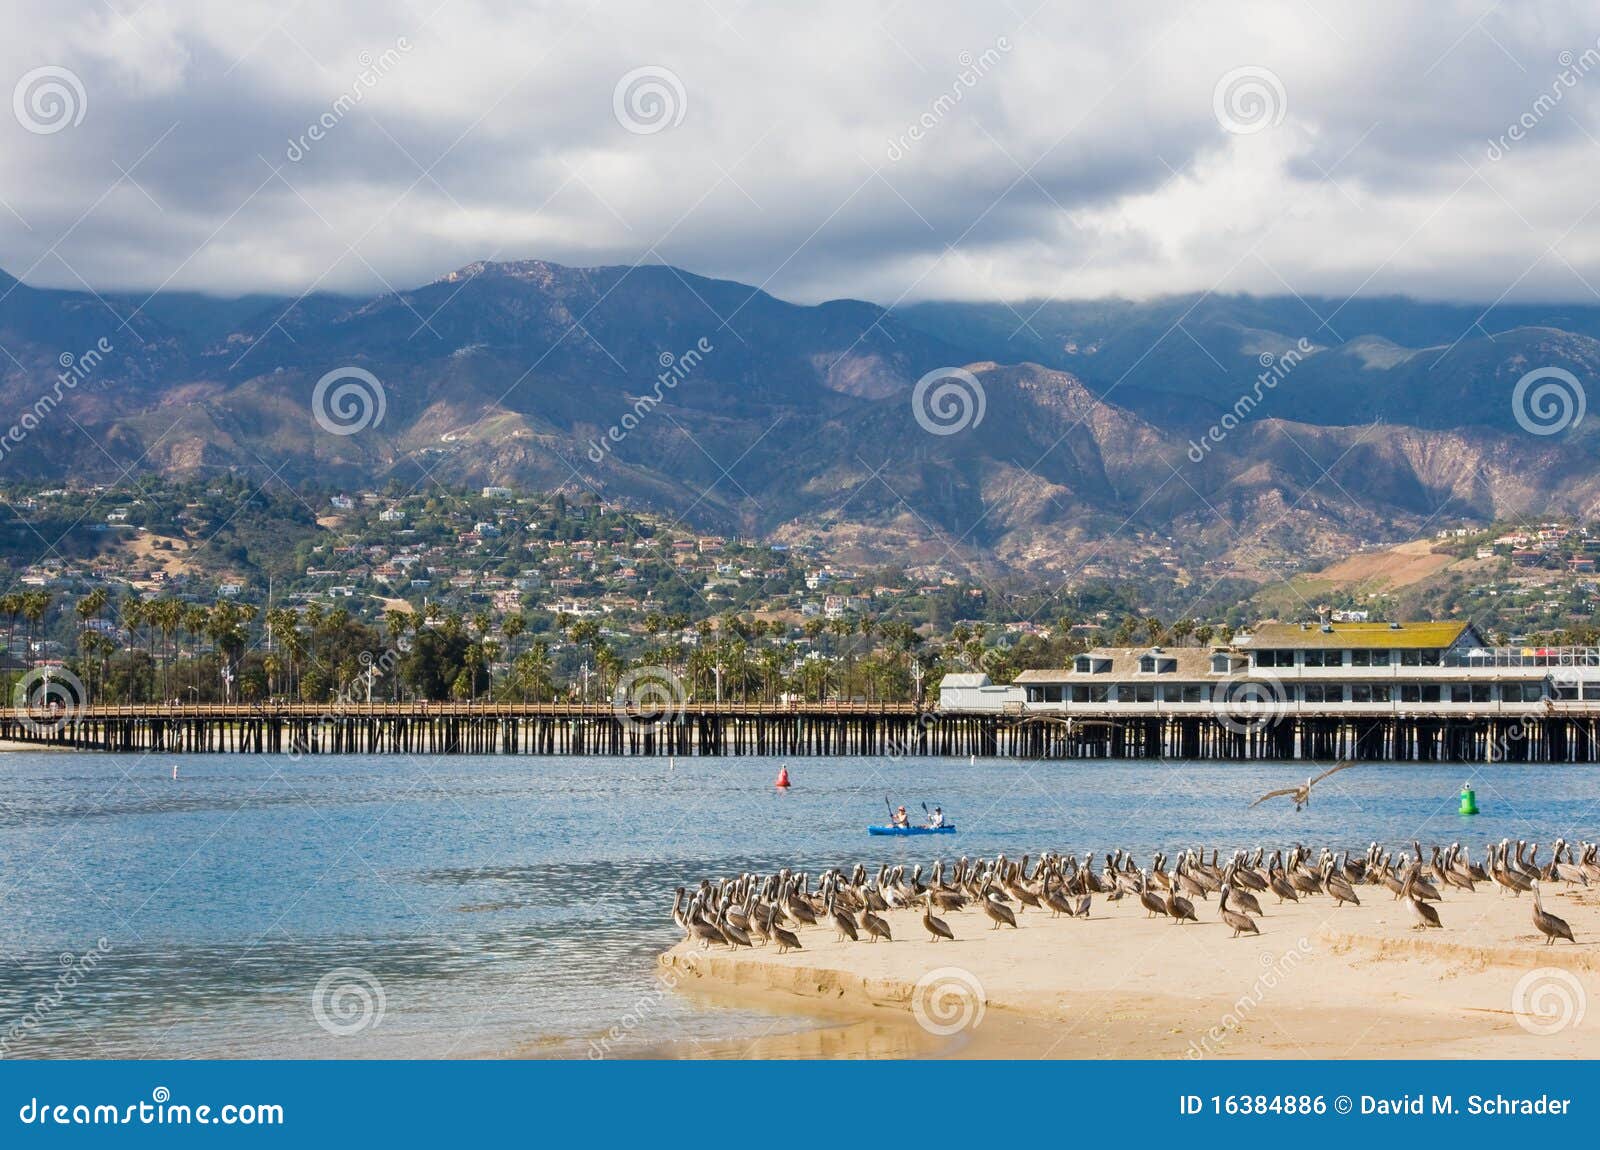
{"x": 947, "y": 829}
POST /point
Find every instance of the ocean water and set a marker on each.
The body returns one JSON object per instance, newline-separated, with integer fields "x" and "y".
{"x": 483, "y": 906}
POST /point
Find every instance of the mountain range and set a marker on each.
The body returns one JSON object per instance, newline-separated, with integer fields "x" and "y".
{"x": 1240, "y": 432}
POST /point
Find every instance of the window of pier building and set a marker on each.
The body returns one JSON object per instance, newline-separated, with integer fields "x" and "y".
{"x": 1274, "y": 657}
{"x": 1048, "y": 694}
{"x": 1469, "y": 692}
{"x": 1419, "y": 657}
{"x": 1323, "y": 692}
{"x": 1370, "y": 693}
{"x": 1420, "y": 692}
{"x": 1361, "y": 657}
{"x": 1185, "y": 693}
{"x": 1324, "y": 658}
{"x": 1525, "y": 692}
{"x": 1089, "y": 692}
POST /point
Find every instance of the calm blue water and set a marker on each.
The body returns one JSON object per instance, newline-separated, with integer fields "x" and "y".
{"x": 517, "y": 904}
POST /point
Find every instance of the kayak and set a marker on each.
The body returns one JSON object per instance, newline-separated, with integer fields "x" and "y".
{"x": 947, "y": 829}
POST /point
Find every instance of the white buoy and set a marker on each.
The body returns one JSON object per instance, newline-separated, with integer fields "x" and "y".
{"x": 174, "y": 772}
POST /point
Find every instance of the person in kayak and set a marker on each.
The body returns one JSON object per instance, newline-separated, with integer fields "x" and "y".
{"x": 936, "y": 820}
{"x": 900, "y": 818}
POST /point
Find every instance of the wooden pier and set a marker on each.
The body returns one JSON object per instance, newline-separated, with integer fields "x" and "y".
{"x": 1570, "y": 735}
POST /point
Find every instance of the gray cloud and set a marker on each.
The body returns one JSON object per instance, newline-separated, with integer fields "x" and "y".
{"x": 878, "y": 151}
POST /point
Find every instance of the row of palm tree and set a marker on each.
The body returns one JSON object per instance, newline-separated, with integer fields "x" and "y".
{"x": 310, "y": 651}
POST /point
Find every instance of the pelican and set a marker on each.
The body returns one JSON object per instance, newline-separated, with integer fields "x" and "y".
{"x": 843, "y": 924}
{"x": 1338, "y": 886}
{"x": 1302, "y": 793}
{"x": 1180, "y": 908}
{"x": 786, "y": 939}
{"x": 875, "y": 927}
{"x": 936, "y": 927}
{"x": 999, "y": 912}
{"x": 1241, "y": 923}
{"x": 1549, "y": 925}
{"x": 1425, "y": 915}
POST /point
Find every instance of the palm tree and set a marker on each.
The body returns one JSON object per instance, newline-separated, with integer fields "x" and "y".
{"x": 1203, "y": 633}
{"x": 10, "y": 607}
{"x": 533, "y": 671}
{"x": 35, "y": 606}
{"x": 512, "y": 626}
{"x": 491, "y": 649}
{"x": 169, "y": 617}
{"x": 195, "y": 619}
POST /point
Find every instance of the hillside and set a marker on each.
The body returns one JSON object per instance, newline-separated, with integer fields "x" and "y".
{"x": 714, "y": 402}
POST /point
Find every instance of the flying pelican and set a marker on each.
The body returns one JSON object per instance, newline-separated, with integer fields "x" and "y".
{"x": 1302, "y": 793}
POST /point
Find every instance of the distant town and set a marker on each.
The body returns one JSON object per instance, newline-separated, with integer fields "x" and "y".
{"x": 225, "y": 590}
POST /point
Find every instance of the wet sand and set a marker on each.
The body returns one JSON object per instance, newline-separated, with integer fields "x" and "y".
{"x": 1319, "y": 982}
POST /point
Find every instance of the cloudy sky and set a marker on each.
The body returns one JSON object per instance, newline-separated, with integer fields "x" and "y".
{"x": 888, "y": 151}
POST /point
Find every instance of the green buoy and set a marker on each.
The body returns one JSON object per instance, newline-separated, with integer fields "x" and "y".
{"x": 1469, "y": 799}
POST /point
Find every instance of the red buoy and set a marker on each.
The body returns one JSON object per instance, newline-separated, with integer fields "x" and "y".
{"x": 783, "y": 777}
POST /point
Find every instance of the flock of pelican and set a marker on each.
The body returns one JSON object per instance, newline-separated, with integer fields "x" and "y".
{"x": 750, "y": 910}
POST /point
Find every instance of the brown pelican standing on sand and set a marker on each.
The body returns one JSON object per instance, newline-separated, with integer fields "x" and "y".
{"x": 1302, "y": 793}
{"x": 785, "y": 938}
{"x": 1337, "y": 885}
{"x": 999, "y": 912}
{"x": 1425, "y": 915}
{"x": 1239, "y": 922}
{"x": 936, "y": 927}
{"x": 1549, "y": 925}
{"x": 1180, "y": 908}
{"x": 875, "y": 927}
{"x": 843, "y": 924}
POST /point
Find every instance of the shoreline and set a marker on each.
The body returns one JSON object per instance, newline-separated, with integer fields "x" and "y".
{"x": 1319, "y": 982}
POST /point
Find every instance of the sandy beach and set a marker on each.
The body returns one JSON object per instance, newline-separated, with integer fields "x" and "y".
{"x": 1319, "y": 982}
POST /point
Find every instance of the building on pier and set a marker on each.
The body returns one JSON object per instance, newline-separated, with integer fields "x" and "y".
{"x": 1328, "y": 669}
